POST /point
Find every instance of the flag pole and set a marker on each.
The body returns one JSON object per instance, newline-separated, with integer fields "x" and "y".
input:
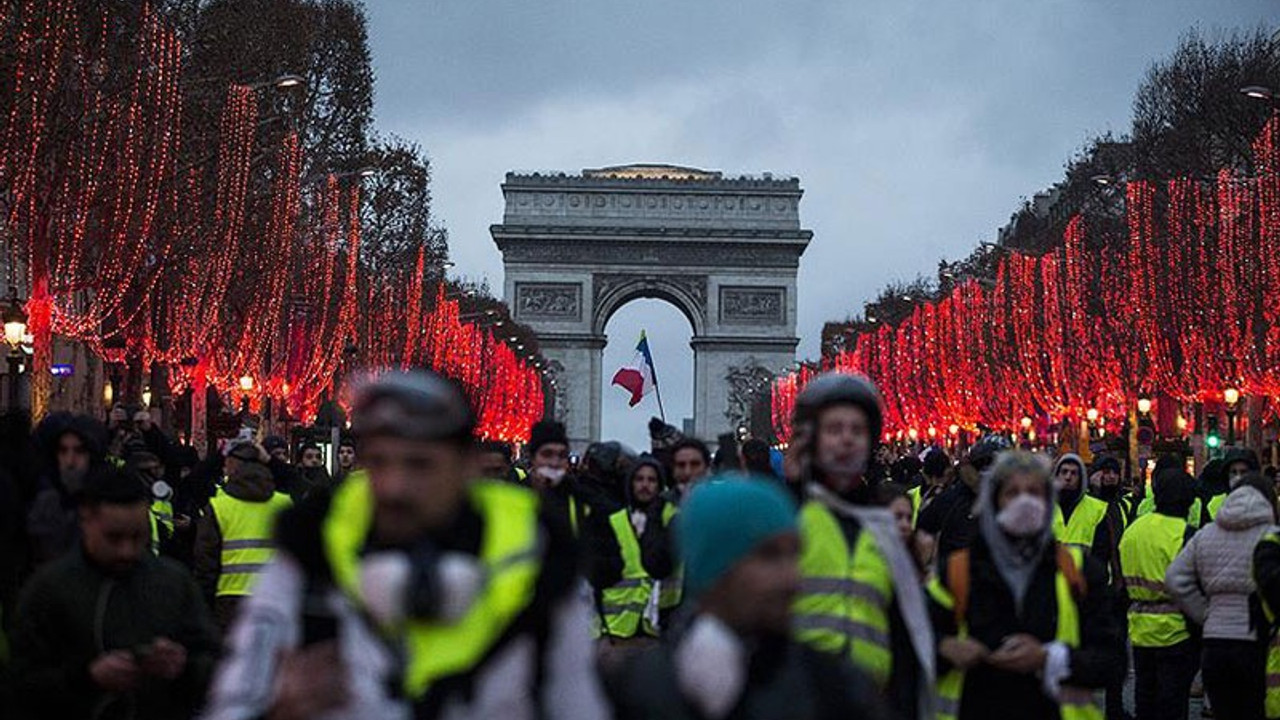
{"x": 657, "y": 388}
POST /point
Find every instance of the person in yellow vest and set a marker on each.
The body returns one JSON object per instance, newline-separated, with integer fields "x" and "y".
{"x": 732, "y": 656}
{"x": 1165, "y": 654}
{"x": 549, "y": 475}
{"x": 860, "y": 594}
{"x": 1080, "y": 519}
{"x": 1211, "y": 581}
{"x": 234, "y": 538}
{"x": 936, "y": 471}
{"x": 1025, "y": 622}
{"x": 415, "y": 590}
{"x": 1237, "y": 463}
{"x": 630, "y": 565}
{"x": 1266, "y": 573}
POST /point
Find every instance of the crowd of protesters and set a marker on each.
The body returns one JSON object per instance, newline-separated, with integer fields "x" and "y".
{"x": 432, "y": 574}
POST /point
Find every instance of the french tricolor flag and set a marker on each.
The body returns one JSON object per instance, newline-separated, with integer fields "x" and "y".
{"x": 638, "y": 378}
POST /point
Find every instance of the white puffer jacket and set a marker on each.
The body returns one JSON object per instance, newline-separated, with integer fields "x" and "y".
{"x": 1212, "y": 578}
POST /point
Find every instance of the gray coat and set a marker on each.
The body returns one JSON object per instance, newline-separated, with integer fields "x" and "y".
{"x": 1211, "y": 580}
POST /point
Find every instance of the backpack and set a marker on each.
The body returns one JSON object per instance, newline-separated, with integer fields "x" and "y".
{"x": 958, "y": 578}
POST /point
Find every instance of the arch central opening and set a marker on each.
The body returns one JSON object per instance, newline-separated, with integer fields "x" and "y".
{"x": 669, "y": 332}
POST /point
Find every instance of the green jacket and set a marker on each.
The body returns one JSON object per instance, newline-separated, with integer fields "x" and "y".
{"x": 70, "y": 612}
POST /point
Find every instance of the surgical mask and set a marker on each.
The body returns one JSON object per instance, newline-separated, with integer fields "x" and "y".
{"x": 551, "y": 475}
{"x": 393, "y": 589}
{"x": 1024, "y": 516}
{"x": 711, "y": 667}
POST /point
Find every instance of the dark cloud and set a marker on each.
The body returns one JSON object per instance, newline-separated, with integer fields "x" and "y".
{"x": 915, "y": 127}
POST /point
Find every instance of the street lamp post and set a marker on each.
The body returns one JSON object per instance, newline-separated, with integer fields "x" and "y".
{"x": 15, "y": 328}
{"x": 1231, "y": 397}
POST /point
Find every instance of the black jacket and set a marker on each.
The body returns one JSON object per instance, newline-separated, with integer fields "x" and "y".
{"x": 950, "y": 518}
{"x": 991, "y": 694}
{"x": 784, "y": 680}
{"x": 71, "y": 612}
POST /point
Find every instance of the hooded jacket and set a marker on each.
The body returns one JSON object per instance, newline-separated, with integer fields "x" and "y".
{"x": 604, "y": 564}
{"x": 251, "y": 483}
{"x": 1211, "y": 580}
{"x": 51, "y": 518}
{"x": 1106, "y": 538}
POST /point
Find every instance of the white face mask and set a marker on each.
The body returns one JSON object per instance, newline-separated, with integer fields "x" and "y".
{"x": 1024, "y": 516}
{"x": 711, "y": 666}
{"x": 551, "y": 475}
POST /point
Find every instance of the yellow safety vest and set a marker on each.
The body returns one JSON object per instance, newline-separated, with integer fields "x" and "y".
{"x": 1080, "y": 529}
{"x": 624, "y": 601}
{"x": 1273, "y": 652}
{"x": 1215, "y": 502}
{"x": 1076, "y": 703}
{"x": 1146, "y": 549}
{"x": 1148, "y": 506}
{"x": 161, "y": 516}
{"x": 671, "y": 589}
{"x": 914, "y": 496}
{"x": 845, "y": 593}
{"x": 247, "y": 543}
{"x": 509, "y": 550}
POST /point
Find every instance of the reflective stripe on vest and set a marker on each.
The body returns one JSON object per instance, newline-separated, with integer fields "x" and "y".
{"x": 1080, "y": 529}
{"x": 671, "y": 589}
{"x": 246, "y": 529}
{"x": 1146, "y": 550}
{"x": 1075, "y": 703}
{"x": 845, "y": 593}
{"x": 509, "y": 549}
{"x": 624, "y": 602}
{"x": 914, "y": 496}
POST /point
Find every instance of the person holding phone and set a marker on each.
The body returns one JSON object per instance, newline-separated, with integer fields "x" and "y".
{"x": 109, "y": 629}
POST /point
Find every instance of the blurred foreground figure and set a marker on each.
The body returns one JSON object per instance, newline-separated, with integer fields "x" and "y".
{"x": 414, "y": 590}
{"x": 733, "y": 658}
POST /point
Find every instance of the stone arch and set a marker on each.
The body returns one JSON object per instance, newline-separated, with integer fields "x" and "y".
{"x": 680, "y": 293}
{"x": 723, "y": 250}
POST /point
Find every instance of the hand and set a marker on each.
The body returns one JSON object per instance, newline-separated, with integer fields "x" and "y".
{"x": 1019, "y": 653}
{"x": 167, "y": 659}
{"x": 963, "y": 653}
{"x": 114, "y": 671}
{"x": 310, "y": 681}
{"x": 794, "y": 460}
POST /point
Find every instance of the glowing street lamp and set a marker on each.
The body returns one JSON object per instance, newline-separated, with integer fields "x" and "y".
{"x": 15, "y": 323}
{"x": 246, "y": 383}
{"x": 1231, "y": 397}
{"x": 1026, "y": 423}
{"x": 1092, "y": 415}
{"x": 1144, "y": 405}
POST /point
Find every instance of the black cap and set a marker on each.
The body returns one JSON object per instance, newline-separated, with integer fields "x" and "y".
{"x": 936, "y": 462}
{"x": 274, "y": 442}
{"x": 105, "y": 484}
{"x": 1106, "y": 462}
{"x": 547, "y": 432}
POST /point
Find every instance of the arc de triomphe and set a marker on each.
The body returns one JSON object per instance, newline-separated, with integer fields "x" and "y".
{"x": 724, "y": 251}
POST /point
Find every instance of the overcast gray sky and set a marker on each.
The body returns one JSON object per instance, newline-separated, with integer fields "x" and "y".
{"x": 915, "y": 128}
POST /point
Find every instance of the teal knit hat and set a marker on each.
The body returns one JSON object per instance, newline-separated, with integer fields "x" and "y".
{"x": 723, "y": 520}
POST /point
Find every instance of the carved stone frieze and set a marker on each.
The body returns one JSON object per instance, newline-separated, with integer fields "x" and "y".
{"x": 753, "y": 305}
{"x": 548, "y": 301}
{"x": 705, "y": 254}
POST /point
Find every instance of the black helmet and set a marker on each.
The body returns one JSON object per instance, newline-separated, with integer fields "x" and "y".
{"x": 416, "y": 405}
{"x": 835, "y": 388}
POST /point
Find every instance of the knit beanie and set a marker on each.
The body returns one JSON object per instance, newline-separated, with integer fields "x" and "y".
{"x": 722, "y": 521}
{"x": 545, "y": 432}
